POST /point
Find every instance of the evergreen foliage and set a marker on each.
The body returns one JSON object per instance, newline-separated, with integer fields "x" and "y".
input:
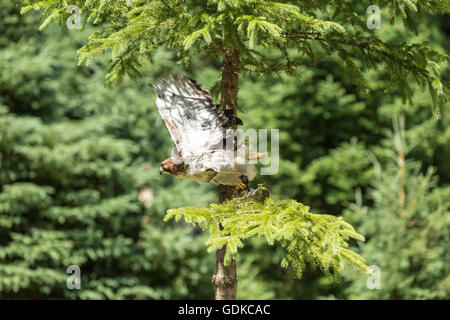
{"x": 318, "y": 239}
{"x": 270, "y": 36}
{"x": 320, "y": 162}
{"x": 326, "y": 129}
{"x": 326, "y": 125}
{"x": 73, "y": 159}
{"x": 407, "y": 227}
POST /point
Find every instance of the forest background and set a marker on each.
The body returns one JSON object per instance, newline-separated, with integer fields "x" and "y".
{"x": 80, "y": 183}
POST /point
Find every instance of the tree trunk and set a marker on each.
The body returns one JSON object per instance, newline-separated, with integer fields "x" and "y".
{"x": 225, "y": 279}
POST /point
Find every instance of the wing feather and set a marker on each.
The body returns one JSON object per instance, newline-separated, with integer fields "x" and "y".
{"x": 195, "y": 123}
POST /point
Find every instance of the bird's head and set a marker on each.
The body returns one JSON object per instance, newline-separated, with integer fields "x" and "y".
{"x": 173, "y": 167}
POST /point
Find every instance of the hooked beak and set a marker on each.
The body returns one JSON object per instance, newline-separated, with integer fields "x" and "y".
{"x": 160, "y": 170}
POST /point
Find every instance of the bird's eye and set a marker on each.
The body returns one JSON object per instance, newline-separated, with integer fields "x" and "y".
{"x": 206, "y": 125}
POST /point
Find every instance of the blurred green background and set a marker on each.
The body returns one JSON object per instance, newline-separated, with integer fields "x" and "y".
{"x": 79, "y": 180}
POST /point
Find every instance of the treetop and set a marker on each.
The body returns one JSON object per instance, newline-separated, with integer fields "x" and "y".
{"x": 267, "y": 36}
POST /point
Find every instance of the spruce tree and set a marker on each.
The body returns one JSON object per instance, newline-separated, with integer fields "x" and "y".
{"x": 407, "y": 227}
{"x": 73, "y": 161}
{"x": 256, "y": 37}
{"x": 331, "y": 126}
{"x": 329, "y": 120}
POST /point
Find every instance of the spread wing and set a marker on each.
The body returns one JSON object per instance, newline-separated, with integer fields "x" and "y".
{"x": 195, "y": 123}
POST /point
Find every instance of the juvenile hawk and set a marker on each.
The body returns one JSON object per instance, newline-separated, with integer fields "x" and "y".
{"x": 198, "y": 128}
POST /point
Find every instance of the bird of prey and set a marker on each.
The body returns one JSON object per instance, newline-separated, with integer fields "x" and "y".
{"x": 198, "y": 128}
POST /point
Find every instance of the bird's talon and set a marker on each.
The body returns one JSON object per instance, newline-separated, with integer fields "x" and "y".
{"x": 241, "y": 186}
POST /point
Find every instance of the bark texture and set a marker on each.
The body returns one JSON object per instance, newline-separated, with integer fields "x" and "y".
{"x": 225, "y": 279}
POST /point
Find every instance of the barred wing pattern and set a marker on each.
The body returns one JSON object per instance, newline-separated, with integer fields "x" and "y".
{"x": 196, "y": 124}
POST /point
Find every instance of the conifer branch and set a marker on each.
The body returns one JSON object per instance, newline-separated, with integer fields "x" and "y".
{"x": 290, "y": 27}
{"x": 318, "y": 239}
